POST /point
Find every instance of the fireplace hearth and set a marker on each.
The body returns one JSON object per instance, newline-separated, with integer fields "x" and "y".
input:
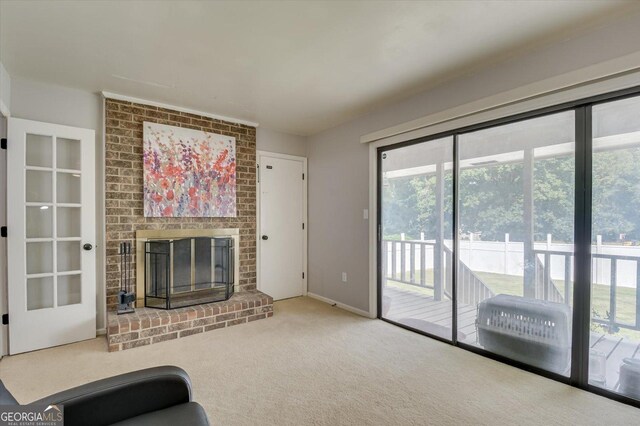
{"x": 196, "y": 304}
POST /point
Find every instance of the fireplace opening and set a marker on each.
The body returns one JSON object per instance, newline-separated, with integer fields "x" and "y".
{"x": 188, "y": 271}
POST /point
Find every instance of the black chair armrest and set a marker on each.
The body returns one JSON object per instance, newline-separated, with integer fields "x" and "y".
{"x": 121, "y": 397}
{"x": 5, "y": 396}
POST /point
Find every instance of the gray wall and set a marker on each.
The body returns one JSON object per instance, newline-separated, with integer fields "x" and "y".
{"x": 61, "y": 105}
{"x": 282, "y": 143}
{"x": 338, "y": 163}
{"x": 5, "y": 87}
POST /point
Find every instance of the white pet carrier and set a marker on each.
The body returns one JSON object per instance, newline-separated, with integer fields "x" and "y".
{"x": 532, "y": 331}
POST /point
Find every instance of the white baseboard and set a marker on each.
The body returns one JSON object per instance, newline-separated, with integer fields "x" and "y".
{"x": 339, "y": 305}
{"x": 101, "y": 332}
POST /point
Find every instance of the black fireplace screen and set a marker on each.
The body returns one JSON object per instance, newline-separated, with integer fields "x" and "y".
{"x": 188, "y": 271}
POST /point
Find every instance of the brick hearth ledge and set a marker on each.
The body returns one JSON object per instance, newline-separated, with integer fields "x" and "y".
{"x": 147, "y": 326}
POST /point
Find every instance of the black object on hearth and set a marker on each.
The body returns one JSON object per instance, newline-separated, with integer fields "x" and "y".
{"x": 125, "y": 296}
{"x": 188, "y": 271}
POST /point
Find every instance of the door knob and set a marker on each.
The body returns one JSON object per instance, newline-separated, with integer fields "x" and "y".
{"x": 87, "y": 246}
{"x": 265, "y": 237}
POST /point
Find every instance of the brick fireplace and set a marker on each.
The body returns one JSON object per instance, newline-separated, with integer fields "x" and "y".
{"x": 125, "y": 217}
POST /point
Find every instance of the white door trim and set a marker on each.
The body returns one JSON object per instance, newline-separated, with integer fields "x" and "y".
{"x": 304, "y": 214}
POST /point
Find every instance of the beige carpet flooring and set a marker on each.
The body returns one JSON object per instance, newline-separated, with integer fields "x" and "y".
{"x": 313, "y": 364}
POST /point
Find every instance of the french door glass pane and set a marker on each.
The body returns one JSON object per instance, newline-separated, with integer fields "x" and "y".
{"x": 69, "y": 221}
{"x": 68, "y": 154}
{"x": 516, "y": 213}
{"x": 614, "y": 357}
{"x": 39, "y": 258}
{"x": 68, "y": 255}
{"x": 39, "y": 150}
{"x": 39, "y": 186}
{"x": 39, "y": 293}
{"x": 416, "y": 204}
{"x": 68, "y": 188}
{"x": 69, "y": 289}
{"x": 39, "y": 222}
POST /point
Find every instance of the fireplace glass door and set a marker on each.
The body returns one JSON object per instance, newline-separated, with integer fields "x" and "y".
{"x": 188, "y": 271}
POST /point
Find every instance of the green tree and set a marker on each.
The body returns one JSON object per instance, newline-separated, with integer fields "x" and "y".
{"x": 491, "y": 200}
{"x": 554, "y": 198}
{"x": 616, "y": 194}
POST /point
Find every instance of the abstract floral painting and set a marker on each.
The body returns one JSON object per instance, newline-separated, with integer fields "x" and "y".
{"x": 188, "y": 173}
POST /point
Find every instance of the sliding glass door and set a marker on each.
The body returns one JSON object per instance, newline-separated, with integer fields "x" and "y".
{"x": 520, "y": 238}
{"x": 417, "y": 229}
{"x": 614, "y": 355}
{"x": 516, "y": 210}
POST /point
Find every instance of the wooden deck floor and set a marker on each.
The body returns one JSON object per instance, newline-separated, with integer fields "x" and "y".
{"x": 615, "y": 349}
{"x": 410, "y": 307}
{"x": 417, "y": 310}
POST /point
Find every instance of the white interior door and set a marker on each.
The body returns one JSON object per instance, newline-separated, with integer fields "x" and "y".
{"x": 51, "y": 233}
{"x": 282, "y": 242}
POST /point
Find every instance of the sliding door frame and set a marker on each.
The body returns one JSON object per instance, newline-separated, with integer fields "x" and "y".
{"x": 379, "y": 153}
{"x": 582, "y": 249}
{"x": 454, "y": 242}
{"x": 582, "y": 236}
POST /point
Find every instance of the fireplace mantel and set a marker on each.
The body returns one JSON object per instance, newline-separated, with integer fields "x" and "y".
{"x": 143, "y": 236}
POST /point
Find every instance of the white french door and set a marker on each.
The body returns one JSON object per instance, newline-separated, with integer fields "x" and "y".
{"x": 51, "y": 233}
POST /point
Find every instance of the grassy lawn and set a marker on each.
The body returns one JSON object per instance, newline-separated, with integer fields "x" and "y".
{"x": 512, "y": 284}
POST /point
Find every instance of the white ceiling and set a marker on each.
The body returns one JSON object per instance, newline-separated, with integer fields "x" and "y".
{"x": 298, "y": 67}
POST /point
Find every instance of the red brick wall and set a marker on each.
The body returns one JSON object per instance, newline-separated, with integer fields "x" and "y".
{"x": 123, "y": 175}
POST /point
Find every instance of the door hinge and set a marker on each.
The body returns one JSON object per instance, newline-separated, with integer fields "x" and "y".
{"x": 303, "y": 176}
{"x": 303, "y": 225}
{"x": 258, "y": 172}
{"x": 303, "y": 275}
{"x": 3, "y": 143}
{"x": 3, "y": 232}
{"x": 5, "y": 319}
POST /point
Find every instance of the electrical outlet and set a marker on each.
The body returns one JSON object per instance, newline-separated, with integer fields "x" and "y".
{"x": 344, "y": 277}
{"x": 365, "y": 214}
